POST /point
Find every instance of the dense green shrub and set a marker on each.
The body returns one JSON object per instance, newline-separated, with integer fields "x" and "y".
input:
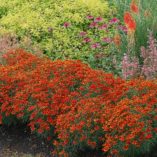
{"x": 44, "y": 23}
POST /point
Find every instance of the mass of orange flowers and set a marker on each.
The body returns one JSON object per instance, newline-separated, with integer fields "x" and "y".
{"x": 76, "y": 107}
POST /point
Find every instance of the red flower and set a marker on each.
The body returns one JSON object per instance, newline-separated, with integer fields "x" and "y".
{"x": 98, "y": 19}
{"x": 129, "y": 21}
{"x": 134, "y": 7}
{"x": 66, "y": 24}
{"x": 89, "y": 17}
{"x": 127, "y": 17}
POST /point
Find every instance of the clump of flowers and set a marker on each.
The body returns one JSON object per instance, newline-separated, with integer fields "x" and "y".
{"x": 129, "y": 21}
{"x": 149, "y": 55}
{"x": 148, "y": 69}
{"x": 130, "y": 67}
{"x": 128, "y": 17}
{"x": 82, "y": 107}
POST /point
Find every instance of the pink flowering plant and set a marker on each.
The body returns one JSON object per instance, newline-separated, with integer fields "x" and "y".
{"x": 139, "y": 17}
{"x": 131, "y": 66}
{"x": 95, "y": 41}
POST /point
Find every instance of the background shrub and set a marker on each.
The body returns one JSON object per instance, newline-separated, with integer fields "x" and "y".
{"x": 40, "y": 92}
{"x": 55, "y": 26}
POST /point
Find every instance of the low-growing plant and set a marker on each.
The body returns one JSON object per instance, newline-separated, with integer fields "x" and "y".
{"x": 76, "y": 107}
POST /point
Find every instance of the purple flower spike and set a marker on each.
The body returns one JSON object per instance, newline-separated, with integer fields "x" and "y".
{"x": 107, "y": 40}
{"x": 95, "y": 45}
{"x": 93, "y": 25}
{"x": 98, "y": 19}
{"x": 87, "y": 40}
{"x": 82, "y": 34}
{"x": 66, "y": 24}
{"x": 114, "y": 20}
{"x": 90, "y": 17}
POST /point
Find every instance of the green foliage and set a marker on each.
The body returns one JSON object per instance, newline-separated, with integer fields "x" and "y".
{"x": 3, "y": 11}
{"x": 43, "y": 22}
{"x": 146, "y": 20}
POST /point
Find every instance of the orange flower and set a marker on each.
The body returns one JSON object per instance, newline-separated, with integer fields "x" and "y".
{"x": 129, "y": 21}
{"x": 132, "y": 25}
{"x": 127, "y": 17}
{"x": 134, "y": 7}
{"x": 117, "y": 40}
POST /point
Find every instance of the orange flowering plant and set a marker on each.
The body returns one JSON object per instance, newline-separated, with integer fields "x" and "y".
{"x": 130, "y": 124}
{"x": 129, "y": 21}
{"x": 38, "y": 90}
{"x": 76, "y": 107}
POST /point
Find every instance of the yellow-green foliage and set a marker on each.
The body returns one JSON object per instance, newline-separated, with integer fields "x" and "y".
{"x": 33, "y": 18}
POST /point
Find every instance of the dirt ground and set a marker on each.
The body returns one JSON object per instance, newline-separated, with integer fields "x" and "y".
{"x": 17, "y": 141}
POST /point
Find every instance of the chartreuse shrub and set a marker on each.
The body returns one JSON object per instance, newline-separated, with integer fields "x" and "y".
{"x": 62, "y": 29}
{"x": 78, "y": 108}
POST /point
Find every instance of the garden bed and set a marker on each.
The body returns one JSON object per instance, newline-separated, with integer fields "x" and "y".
{"x": 81, "y": 75}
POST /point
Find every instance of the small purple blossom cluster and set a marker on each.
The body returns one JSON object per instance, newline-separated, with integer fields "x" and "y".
{"x": 91, "y": 36}
{"x": 107, "y": 39}
{"x": 95, "y": 45}
{"x": 122, "y": 28}
{"x": 67, "y": 24}
{"x": 97, "y": 24}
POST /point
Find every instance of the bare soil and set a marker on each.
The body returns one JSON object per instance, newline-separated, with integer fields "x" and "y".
{"x": 17, "y": 141}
